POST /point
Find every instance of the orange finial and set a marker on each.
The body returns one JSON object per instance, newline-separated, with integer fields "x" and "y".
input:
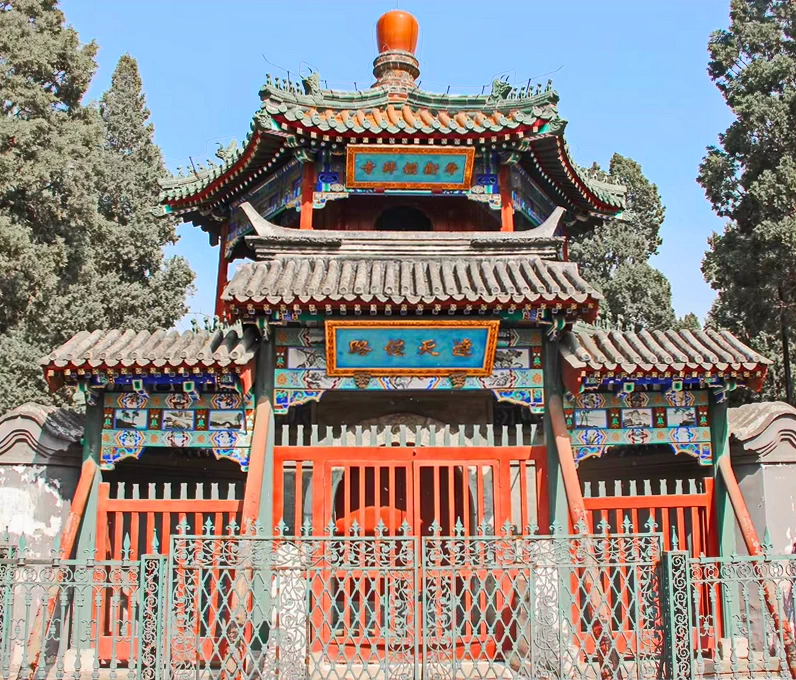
{"x": 397, "y": 30}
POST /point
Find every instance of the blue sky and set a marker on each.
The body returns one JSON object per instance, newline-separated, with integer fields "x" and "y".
{"x": 631, "y": 76}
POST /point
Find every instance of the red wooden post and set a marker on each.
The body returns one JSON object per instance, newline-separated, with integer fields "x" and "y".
{"x": 307, "y": 190}
{"x": 223, "y": 270}
{"x": 506, "y": 203}
{"x": 254, "y": 478}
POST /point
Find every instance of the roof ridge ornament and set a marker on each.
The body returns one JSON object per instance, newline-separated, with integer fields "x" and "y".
{"x": 397, "y": 67}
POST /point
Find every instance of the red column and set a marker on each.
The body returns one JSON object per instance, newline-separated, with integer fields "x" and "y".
{"x": 506, "y": 205}
{"x": 307, "y": 189}
{"x": 223, "y": 268}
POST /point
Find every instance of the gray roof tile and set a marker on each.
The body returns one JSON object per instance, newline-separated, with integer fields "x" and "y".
{"x": 422, "y": 280}
{"x": 144, "y": 349}
{"x": 591, "y": 349}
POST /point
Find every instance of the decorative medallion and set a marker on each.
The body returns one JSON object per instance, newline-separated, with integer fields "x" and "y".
{"x": 179, "y": 400}
{"x": 129, "y": 439}
{"x": 131, "y": 400}
{"x": 409, "y": 167}
{"x": 178, "y": 439}
{"x": 590, "y": 400}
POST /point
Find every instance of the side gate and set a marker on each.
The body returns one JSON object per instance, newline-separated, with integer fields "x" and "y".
{"x": 564, "y": 606}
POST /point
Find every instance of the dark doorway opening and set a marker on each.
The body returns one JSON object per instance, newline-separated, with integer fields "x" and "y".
{"x": 403, "y": 218}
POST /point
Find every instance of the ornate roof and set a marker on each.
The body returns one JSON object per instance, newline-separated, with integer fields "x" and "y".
{"x": 528, "y": 125}
{"x": 140, "y": 352}
{"x": 596, "y": 357}
{"x": 521, "y": 123}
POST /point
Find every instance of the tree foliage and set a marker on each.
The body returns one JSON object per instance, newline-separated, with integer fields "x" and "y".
{"x": 750, "y": 179}
{"x": 615, "y": 256}
{"x": 79, "y": 245}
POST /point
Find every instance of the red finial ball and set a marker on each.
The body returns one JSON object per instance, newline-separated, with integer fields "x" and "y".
{"x": 397, "y": 30}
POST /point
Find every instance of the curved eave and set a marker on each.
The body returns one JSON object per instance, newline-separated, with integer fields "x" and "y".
{"x": 263, "y": 152}
{"x": 548, "y": 157}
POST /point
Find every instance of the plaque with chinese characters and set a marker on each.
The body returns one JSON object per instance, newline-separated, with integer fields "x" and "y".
{"x": 404, "y": 167}
{"x": 427, "y": 348}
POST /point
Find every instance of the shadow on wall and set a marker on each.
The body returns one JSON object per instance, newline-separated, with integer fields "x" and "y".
{"x": 40, "y": 458}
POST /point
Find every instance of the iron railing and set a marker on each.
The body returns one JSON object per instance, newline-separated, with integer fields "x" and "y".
{"x": 218, "y": 607}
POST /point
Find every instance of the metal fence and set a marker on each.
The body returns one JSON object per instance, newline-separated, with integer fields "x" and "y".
{"x": 383, "y": 607}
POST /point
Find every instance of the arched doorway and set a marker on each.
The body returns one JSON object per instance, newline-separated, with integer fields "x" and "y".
{"x": 403, "y": 218}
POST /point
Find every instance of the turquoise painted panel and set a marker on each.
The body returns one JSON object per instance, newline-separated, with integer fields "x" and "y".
{"x": 301, "y": 374}
{"x": 401, "y": 167}
{"x": 432, "y": 168}
{"x": 221, "y": 422}
{"x": 598, "y": 421}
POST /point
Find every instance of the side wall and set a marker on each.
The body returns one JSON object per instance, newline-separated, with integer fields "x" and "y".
{"x": 40, "y": 458}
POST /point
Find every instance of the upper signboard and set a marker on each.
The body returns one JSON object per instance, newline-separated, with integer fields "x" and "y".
{"x": 409, "y": 167}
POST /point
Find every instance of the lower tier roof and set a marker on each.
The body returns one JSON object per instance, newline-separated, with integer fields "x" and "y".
{"x": 132, "y": 352}
{"x": 597, "y": 356}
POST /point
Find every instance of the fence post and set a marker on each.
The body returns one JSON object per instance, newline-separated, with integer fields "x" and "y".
{"x": 7, "y": 572}
{"x": 678, "y": 625}
{"x": 152, "y": 616}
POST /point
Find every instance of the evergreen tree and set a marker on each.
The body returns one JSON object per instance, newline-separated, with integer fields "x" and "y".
{"x": 614, "y": 257}
{"x": 750, "y": 178}
{"x": 128, "y": 191}
{"x": 66, "y": 198}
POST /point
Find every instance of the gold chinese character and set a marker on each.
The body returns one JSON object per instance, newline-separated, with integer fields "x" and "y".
{"x": 427, "y": 347}
{"x": 389, "y": 167}
{"x": 451, "y": 168}
{"x": 463, "y": 348}
{"x": 395, "y": 348}
{"x": 361, "y": 347}
{"x": 369, "y": 167}
{"x": 431, "y": 168}
{"x": 410, "y": 169}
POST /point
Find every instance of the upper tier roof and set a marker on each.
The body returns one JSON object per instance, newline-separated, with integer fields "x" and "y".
{"x": 523, "y": 125}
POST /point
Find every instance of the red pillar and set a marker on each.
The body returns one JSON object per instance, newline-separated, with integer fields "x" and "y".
{"x": 506, "y": 204}
{"x": 223, "y": 268}
{"x": 307, "y": 189}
